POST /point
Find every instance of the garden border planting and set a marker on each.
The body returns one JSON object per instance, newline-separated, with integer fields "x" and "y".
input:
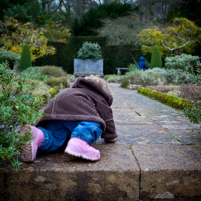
{"x": 170, "y": 100}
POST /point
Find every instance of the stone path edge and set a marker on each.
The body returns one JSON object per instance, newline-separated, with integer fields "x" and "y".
{"x": 168, "y": 171}
{"x": 177, "y": 167}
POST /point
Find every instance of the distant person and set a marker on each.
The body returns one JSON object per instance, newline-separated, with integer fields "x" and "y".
{"x": 141, "y": 64}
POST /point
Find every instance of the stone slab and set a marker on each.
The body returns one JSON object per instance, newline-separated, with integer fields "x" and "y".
{"x": 142, "y": 134}
{"x": 181, "y": 125}
{"x": 187, "y": 137}
{"x": 129, "y": 116}
{"x": 166, "y": 117}
{"x": 58, "y": 177}
{"x": 134, "y": 101}
{"x": 157, "y": 111}
{"x": 130, "y": 98}
{"x": 169, "y": 171}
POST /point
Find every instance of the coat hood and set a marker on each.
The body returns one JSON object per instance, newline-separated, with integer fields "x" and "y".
{"x": 93, "y": 86}
{"x": 142, "y": 59}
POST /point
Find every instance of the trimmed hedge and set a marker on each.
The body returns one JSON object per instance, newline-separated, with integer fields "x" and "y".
{"x": 12, "y": 58}
{"x": 114, "y": 56}
{"x": 59, "y": 59}
{"x": 156, "y": 60}
{"x": 67, "y": 52}
{"x": 170, "y": 100}
{"x": 25, "y": 60}
{"x": 119, "y": 56}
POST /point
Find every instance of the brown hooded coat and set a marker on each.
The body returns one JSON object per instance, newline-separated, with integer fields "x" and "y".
{"x": 85, "y": 101}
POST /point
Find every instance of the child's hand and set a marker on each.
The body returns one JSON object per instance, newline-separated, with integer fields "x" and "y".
{"x": 110, "y": 140}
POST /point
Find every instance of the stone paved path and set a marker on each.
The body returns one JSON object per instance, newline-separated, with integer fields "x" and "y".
{"x": 140, "y": 120}
{"x": 156, "y": 157}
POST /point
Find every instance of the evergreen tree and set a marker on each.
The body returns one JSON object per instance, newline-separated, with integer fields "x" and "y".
{"x": 23, "y": 10}
{"x": 91, "y": 20}
{"x": 25, "y": 60}
{"x": 156, "y": 60}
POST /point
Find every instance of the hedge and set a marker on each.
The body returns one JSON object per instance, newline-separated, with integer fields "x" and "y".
{"x": 67, "y": 52}
{"x": 170, "y": 100}
{"x": 119, "y": 56}
{"x": 12, "y": 58}
{"x": 114, "y": 56}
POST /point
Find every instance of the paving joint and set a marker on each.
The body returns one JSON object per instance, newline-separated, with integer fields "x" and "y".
{"x": 140, "y": 169}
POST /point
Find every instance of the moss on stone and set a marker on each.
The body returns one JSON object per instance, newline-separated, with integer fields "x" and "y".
{"x": 168, "y": 99}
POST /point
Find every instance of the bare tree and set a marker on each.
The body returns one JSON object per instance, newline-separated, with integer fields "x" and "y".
{"x": 46, "y": 5}
{"x": 157, "y": 8}
{"x": 124, "y": 30}
{"x": 76, "y": 7}
{"x": 107, "y": 1}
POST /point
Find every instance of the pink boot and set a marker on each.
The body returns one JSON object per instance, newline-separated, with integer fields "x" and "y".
{"x": 28, "y": 152}
{"x": 80, "y": 148}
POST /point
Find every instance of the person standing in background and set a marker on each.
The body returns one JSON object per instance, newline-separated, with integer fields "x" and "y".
{"x": 141, "y": 64}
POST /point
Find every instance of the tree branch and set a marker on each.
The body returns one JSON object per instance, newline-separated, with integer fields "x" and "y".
{"x": 182, "y": 46}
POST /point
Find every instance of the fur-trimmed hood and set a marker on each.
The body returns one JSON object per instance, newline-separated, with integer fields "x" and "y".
{"x": 93, "y": 86}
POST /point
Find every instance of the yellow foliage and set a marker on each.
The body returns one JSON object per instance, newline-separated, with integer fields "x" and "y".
{"x": 56, "y": 32}
{"x": 182, "y": 35}
{"x": 26, "y": 34}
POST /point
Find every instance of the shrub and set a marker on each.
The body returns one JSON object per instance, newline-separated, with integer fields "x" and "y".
{"x": 33, "y": 73}
{"x": 38, "y": 89}
{"x": 25, "y": 60}
{"x": 164, "y": 89}
{"x": 156, "y": 70}
{"x": 12, "y": 58}
{"x": 90, "y": 51}
{"x": 125, "y": 82}
{"x": 193, "y": 113}
{"x": 138, "y": 77}
{"x": 190, "y": 91}
{"x": 54, "y": 91}
{"x": 17, "y": 107}
{"x": 157, "y": 76}
{"x": 52, "y": 71}
{"x": 156, "y": 58}
{"x": 182, "y": 61}
{"x": 112, "y": 78}
{"x": 57, "y": 81}
{"x": 133, "y": 67}
{"x": 195, "y": 70}
{"x": 177, "y": 76}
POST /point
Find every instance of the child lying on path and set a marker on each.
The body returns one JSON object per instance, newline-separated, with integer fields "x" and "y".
{"x": 82, "y": 113}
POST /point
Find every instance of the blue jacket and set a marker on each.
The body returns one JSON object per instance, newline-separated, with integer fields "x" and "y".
{"x": 141, "y": 64}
